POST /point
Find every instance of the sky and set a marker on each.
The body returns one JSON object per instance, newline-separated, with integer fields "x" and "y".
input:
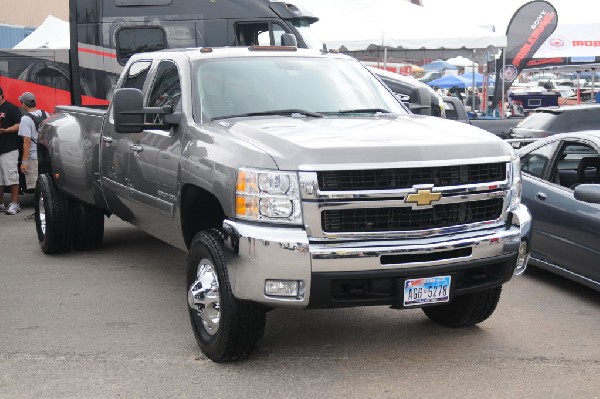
{"x": 499, "y": 12}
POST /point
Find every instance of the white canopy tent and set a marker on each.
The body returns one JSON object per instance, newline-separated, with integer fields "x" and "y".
{"x": 358, "y": 24}
{"x": 53, "y": 33}
{"x": 577, "y": 42}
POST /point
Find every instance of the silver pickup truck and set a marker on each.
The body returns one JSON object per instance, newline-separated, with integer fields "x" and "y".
{"x": 293, "y": 179}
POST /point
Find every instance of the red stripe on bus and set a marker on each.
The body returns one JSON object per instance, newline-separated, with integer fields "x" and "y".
{"x": 96, "y": 52}
{"x": 46, "y": 97}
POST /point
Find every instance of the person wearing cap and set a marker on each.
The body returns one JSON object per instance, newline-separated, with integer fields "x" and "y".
{"x": 28, "y": 130}
{"x": 10, "y": 117}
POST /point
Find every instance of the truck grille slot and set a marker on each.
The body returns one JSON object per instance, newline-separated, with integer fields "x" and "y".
{"x": 389, "y": 179}
{"x": 430, "y": 257}
{"x": 409, "y": 219}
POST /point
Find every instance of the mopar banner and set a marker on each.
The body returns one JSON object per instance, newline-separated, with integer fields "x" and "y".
{"x": 529, "y": 27}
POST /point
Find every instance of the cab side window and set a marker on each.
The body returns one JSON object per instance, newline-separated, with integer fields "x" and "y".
{"x": 136, "y": 75}
{"x": 258, "y": 33}
{"x": 166, "y": 90}
{"x": 137, "y": 40}
{"x": 536, "y": 162}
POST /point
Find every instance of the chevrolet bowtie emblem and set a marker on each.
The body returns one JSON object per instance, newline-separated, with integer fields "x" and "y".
{"x": 423, "y": 197}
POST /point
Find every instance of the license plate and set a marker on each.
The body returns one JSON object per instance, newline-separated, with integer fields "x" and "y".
{"x": 421, "y": 291}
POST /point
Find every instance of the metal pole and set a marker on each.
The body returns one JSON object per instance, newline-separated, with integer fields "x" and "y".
{"x": 502, "y": 83}
{"x": 473, "y": 80}
{"x": 593, "y": 77}
{"x": 578, "y": 87}
{"x": 385, "y": 58}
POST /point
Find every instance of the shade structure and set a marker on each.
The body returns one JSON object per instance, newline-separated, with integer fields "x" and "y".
{"x": 439, "y": 65}
{"x": 359, "y": 24}
{"x": 461, "y": 81}
{"x": 460, "y": 62}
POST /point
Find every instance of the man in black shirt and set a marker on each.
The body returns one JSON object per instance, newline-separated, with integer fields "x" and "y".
{"x": 10, "y": 116}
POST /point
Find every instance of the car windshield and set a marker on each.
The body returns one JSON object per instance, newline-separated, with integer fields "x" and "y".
{"x": 308, "y": 34}
{"x": 538, "y": 120}
{"x": 292, "y": 86}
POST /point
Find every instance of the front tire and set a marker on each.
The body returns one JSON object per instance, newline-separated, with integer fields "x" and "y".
{"x": 226, "y": 329}
{"x": 51, "y": 216}
{"x": 466, "y": 310}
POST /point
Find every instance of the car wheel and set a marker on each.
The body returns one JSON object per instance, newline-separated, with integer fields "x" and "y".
{"x": 226, "y": 329}
{"x": 465, "y": 310}
{"x": 52, "y": 220}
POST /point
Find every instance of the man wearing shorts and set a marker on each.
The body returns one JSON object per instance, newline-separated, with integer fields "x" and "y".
{"x": 10, "y": 117}
{"x": 28, "y": 130}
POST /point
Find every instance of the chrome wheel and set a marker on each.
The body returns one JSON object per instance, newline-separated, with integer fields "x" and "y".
{"x": 42, "y": 214}
{"x": 204, "y": 298}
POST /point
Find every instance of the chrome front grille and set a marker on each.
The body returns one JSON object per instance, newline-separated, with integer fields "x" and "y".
{"x": 389, "y": 179}
{"x": 359, "y": 204}
{"x": 409, "y": 219}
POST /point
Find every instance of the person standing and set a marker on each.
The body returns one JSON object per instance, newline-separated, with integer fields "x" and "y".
{"x": 28, "y": 129}
{"x": 10, "y": 117}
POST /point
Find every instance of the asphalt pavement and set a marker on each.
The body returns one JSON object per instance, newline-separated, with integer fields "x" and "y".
{"x": 113, "y": 323}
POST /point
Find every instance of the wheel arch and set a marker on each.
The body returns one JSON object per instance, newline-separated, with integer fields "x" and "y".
{"x": 200, "y": 210}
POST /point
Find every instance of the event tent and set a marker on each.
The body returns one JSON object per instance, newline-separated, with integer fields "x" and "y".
{"x": 576, "y": 42}
{"x": 461, "y": 81}
{"x": 358, "y": 24}
{"x": 439, "y": 65}
{"x": 52, "y": 33}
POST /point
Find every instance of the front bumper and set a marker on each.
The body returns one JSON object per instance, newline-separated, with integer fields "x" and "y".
{"x": 366, "y": 272}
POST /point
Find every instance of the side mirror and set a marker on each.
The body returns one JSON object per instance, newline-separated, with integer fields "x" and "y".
{"x": 172, "y": 119}
{"x": 128, "y": 107}
{"x": 287, "y": 39}
{"x": 588, "y": 193}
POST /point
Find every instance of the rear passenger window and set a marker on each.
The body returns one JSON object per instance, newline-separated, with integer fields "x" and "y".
{"x": 588, "y": 120}
{"x": 138, "y": 40}
{"x": 535, "y": 162}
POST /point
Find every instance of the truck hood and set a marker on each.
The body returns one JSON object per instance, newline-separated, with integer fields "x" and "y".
{"x": 333, "y": 143}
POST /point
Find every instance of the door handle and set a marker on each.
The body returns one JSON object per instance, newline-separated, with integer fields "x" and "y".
{"x": 136, "y": 148}
{"x": 541, "y": 196}
{"x": 107, "y": 139}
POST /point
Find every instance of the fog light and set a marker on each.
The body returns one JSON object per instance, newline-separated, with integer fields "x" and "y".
{"x": 522, "y": 258}
{"x": 282, "y": 288}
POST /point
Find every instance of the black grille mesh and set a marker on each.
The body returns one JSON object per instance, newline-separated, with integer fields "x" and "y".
{"x": 389, "y": 179}
{"x": 407, "y": 219}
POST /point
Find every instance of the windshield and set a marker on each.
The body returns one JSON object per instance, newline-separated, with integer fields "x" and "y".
{"x": 537, "y": 120}
{"x": 308, "y": 34}
{"x": 240, "y": 86}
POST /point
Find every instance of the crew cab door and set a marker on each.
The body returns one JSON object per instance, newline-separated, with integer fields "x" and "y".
{"x": 115, "y": 149}
{"x": 154, "y": 157}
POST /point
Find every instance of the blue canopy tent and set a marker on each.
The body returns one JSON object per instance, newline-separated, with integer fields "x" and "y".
{"x": 461, "y": 81}
{"x": 439, "y": 65}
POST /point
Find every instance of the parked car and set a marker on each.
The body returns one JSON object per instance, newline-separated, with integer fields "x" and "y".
{"x": 422, "y": 99}
{"x": 548, "y": 121}
{"x": 561, "y": 187}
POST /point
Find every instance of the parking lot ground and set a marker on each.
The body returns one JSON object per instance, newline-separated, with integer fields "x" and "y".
{"x": 113, "y": 323}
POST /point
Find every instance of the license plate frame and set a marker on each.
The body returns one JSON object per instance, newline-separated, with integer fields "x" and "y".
{"x": 427, "y": 290}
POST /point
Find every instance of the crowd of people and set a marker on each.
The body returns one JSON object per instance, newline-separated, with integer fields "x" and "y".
{"x": 18, "y": 147}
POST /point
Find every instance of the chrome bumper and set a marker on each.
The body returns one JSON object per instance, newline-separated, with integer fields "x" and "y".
{"x": 256, "y": 253}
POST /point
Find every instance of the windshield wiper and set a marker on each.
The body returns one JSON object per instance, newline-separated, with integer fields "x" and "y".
{"x": 282, "y": 112}
{"x": 363, "y": 111}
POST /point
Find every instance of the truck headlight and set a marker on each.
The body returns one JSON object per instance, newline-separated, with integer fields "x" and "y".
{"x": 270, "y": 196}
{"x": 516, "y": 187}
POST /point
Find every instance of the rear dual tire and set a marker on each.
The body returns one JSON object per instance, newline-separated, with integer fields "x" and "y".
{"x": 61, "y": 223}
